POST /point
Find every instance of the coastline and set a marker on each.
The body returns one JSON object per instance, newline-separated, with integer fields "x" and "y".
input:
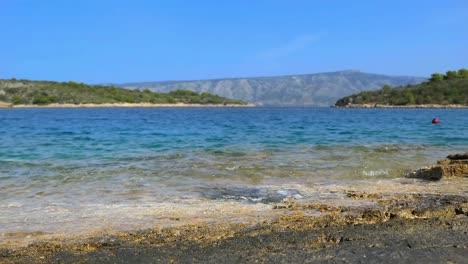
{"x": 273, "y": 215}
{"x": 117, "y": 105}
{"x": 437, "y": 106}
{"x": 416, "y": 219}
{"x": 5, "y": 105}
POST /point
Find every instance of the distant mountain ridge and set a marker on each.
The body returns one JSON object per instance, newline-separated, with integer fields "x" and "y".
{"x": 320, "y": 89}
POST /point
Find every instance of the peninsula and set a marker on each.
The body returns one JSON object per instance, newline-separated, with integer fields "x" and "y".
{"x": 26, "y": 93}
{"x": 448, "y": 90}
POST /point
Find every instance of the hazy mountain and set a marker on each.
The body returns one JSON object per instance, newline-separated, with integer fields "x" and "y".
{"x": 322, "y": 89}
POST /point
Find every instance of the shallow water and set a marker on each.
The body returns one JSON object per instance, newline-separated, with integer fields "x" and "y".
{"x": 60, "y": 167}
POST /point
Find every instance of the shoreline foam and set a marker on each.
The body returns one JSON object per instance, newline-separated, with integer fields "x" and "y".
{"x": 314, "y": 201}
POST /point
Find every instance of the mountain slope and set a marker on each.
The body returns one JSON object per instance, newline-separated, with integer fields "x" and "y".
{"x": 321, "y": 89}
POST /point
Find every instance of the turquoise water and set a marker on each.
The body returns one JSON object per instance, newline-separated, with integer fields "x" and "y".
{"x": 61, "y": 135}
{"x": 71, "y": 158}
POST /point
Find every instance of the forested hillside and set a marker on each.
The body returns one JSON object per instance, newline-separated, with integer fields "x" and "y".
{"x": 45, "y": 92}
{"x": 442, "y": 89}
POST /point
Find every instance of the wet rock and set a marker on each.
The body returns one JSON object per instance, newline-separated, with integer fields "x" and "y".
{"x": 454, "y": 166}
{"x": 463, "y": 156}
{"x": 251, "y": 195}
{"x": 429, "y": 227}
{"x": 431, "y": 173}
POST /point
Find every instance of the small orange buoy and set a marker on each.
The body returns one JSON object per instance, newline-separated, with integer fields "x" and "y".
{"x": 435, "y": 121}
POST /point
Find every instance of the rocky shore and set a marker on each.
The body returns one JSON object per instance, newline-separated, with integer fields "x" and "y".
{"x": 390, "y": 228}
{"x": 401, "y": 106}
{"x": 454, "y": 166}
{"x": 415, "y": 224}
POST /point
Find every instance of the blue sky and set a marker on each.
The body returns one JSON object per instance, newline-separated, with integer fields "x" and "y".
{"x": 143, "y": 40}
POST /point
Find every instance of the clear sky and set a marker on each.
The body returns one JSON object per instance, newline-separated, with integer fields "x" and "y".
{"x": 100, "y": 41}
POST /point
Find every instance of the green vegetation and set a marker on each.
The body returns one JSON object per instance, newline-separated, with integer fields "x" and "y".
{"x": 443, "y": 89}
{"x": 190, "y": 97}
{"x": 44, "y": 92}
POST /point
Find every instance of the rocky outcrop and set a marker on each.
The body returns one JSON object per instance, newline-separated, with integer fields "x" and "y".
{"x": 454, "y": 166}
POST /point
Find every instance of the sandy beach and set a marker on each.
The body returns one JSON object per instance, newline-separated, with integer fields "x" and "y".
{"x": 5, "y": 105}
{"x": 149, "y": 105}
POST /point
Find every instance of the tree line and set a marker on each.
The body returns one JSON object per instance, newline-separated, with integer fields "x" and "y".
{"x": 449, "y": 75}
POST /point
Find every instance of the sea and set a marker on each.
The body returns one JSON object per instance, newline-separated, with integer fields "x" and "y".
{"x": 77, "y": 170}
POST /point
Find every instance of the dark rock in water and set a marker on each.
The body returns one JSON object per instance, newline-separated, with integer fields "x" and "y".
{"x": 251, "y": 195}
{"x": 458, "y": 156}
{"x": 431, "y": 173}
{"x": 455, "y": 166}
